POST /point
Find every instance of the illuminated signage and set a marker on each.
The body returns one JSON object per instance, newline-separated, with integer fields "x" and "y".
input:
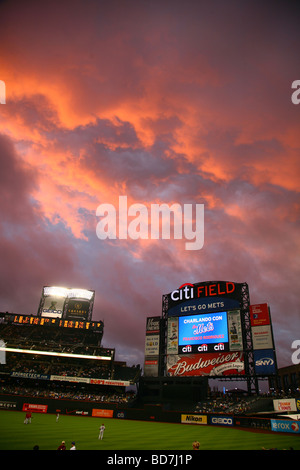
{"x": 205, "y": 333}
{"x": 264, "y": 361}
{"x": 31, "y": 320}
{"x": 153, "y": 325}
{"x": 203, "y": 297}
{"x": 61, "y": 302}
{"x": 190, "y": 291}
{"x": 43, "y": 321}
{"x": 54, "y": 353}
{"x": 259, "y": 315}
{"x": 72, "y": 293}
{"x": 209, "y": 331}
{"x": 53, "y": 307}
{"x": 55, "y": 291}
{"x": 211, "y": 364}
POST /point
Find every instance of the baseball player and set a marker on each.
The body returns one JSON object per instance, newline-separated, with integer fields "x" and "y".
{"x": 101, "y": 431}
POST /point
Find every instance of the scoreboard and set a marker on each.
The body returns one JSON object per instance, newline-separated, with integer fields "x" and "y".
{"x": 199, "y": 332}
{"x": 18, "y": 319}
{"x": 210, "y": 329}
{"x": 66, "y": 303}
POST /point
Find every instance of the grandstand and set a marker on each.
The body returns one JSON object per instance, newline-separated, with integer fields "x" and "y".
{"x": 48, "y": 358}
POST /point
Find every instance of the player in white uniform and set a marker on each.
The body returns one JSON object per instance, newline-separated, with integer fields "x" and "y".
{"x": 101, "y": 431}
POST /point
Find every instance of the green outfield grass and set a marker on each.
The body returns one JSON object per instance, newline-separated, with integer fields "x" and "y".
{"x": 129, "y": 435}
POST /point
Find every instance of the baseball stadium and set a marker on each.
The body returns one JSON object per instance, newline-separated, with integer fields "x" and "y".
{"x": 59, "y": 385}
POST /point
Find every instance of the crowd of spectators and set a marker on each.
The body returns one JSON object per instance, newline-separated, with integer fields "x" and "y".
{"x": 226, "y": 404}
{"x": 29, "y": 374}
{"x": 238, "y": 404}
{"x": 60, "y": 340}
{"x": 65, "y": 392}
{"x": 23, "y": 364}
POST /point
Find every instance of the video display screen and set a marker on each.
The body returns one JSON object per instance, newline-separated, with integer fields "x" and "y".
{"x": 201, "y": 333}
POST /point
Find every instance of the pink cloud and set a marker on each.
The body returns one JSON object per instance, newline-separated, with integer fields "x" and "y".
{"x": 161, "y": 102}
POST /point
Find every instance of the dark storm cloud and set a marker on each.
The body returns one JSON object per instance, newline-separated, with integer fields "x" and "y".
{"x": 30, "y": 249}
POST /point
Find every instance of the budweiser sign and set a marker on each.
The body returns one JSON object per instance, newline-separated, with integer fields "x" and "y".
{"x": 214, "y": 364}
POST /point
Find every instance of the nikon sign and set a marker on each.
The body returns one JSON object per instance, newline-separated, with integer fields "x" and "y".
{"x": 193, "y": 419}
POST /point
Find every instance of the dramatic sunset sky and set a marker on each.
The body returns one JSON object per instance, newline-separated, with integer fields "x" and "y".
{"x": 169, "y": 101}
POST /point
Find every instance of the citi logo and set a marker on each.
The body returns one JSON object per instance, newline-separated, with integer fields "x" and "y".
{"x": 190, "y": 291}
{"x": 219, "y": 347}
{"x": 201, "y": 348}
{"x": 187, "y": 349}
{"x": 185, "y": 292}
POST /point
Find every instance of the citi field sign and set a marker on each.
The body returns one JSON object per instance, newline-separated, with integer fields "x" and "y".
{"x": 204, "y": 297}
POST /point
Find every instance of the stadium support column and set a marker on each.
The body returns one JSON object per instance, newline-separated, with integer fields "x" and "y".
{"x": 163, "y": 355}
{"x": 248, "y": 346}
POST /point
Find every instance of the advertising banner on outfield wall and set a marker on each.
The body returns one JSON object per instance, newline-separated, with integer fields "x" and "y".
{"x": 102, "y": 413}
{"x": 8, "y": 405}
{"x": 283, "y": 425}
{"x": 193, "y": 419}
{"x": 34, "y": 407}
{"x": 221, "y": 420}
{"x": 208, "y": 364}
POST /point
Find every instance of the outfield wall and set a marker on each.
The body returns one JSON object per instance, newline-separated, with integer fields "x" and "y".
{"x": 148, "y": 413}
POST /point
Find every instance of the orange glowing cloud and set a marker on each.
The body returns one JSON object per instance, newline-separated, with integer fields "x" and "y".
{"x": 179, "y": 95}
